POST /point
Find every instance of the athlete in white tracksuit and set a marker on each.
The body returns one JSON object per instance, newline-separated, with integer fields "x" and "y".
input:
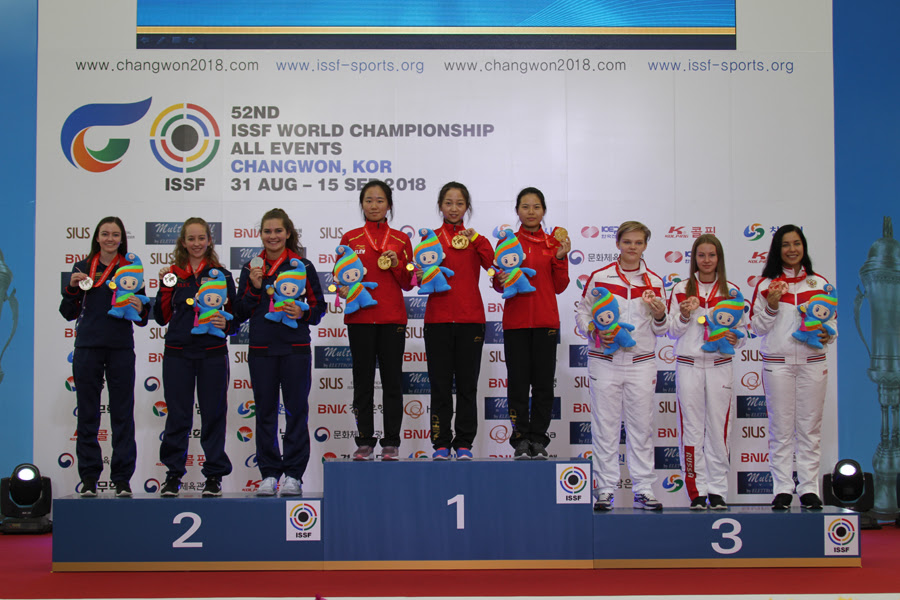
{"x": 703, "y": 384}
{"x": 622, "y": 385}
{"x": 794, "y": 377}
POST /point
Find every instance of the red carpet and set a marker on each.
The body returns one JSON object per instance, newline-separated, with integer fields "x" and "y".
{"x": 26, "y": 574}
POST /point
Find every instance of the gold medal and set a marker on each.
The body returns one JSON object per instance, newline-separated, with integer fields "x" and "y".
{"x": 560, "y": 234}
{"x": 460, "y": 242}
{"x": 270, "y": 291}
{"x": 384, "y": 262}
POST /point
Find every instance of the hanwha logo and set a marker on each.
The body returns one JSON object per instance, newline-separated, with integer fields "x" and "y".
{"x": 672, "y": 483}
{"x": 667, "y": 354}
{"x": 576, "y": 257}
{"x": 674, "y": 256}
{"x": 500, "y": 434}
{"x": 414, "y": 409}
{"x": 573, "y": 480}
{"x": 184, "y": 138}
{"x": 750, "y": 380}
{"x": 304, "y": 516}
{"x": 590, "y": 231}
{"x": 409, "y": 230}
{"x": 65, "y": 460}
{"x": 322, "y": 434}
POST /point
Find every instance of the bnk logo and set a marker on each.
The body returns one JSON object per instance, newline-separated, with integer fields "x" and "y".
{"x": 82, "y": 119}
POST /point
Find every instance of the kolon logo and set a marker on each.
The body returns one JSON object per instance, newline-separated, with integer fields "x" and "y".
{"x": 78, "y": 124}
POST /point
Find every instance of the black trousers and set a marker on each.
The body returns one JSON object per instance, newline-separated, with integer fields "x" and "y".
{"x": 530, "y": 367}
{"x": 454, "y": 352}
{"x": 384, "y": 342}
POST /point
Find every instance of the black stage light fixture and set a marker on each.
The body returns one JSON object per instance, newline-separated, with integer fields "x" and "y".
{"x": 25, "y": 499}
{"x": 847, "y": 486}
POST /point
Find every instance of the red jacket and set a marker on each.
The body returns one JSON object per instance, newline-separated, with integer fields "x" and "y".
{"x": 537, "y": 308}
{"x": 392, "y": 282}
{"x": 463, "y": 303}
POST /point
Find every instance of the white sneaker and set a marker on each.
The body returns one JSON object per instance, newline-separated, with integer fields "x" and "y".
{"x": 605, "y": 501}
{"x": 647, "y": 502}
{"x": 291, "y": 487}
{"x": 267, "y": 487}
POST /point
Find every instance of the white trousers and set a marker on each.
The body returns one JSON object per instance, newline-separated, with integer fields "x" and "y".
{"x": 622, "y": 392}
{"x": 795, "y": 400}
{"x": 705, "y": 401}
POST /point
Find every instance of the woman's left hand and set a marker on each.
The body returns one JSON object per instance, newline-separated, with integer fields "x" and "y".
{"x": 393, "y": 256}
{"x": 564, "y": 247}
{"x": 657, "y": 306}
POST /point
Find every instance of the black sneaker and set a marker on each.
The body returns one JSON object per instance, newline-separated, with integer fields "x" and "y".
{"x": 170, "y": 487}
{"x": 523, "y": 451}
{"x": 782, "y": 502}
{"x": 123, "y": 489}
{"x": 538, "y": 452}
{"x": 811, "y": 501}
{"x": 717, "y": 502}
{"x": 88, "y": 489}
{"x": 212, "y": 487}
{"x": 699, "y": 503}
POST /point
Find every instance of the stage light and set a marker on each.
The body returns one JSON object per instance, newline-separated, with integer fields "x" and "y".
{"x": 25, "y": 499}
{"x": 849, "y": 487}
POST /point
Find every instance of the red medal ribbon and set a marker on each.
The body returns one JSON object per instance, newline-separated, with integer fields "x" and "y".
{"x": 95, "y": 262}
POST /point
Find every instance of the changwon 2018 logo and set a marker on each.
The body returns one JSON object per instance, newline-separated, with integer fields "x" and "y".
{"x": 79, "y": 122}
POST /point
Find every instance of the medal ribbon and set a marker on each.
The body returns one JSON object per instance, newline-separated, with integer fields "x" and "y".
{"x": 95, "y": 262}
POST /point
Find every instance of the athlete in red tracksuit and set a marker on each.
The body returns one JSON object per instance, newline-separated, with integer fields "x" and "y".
{"x": 795, "y": 375}
{"x": 704, "y": 380}
{"x": 194, "y": 360}
{"x": 279, "y": 356}
{"x": 379, "y": 331}
{"x": 104, "y": 349}
{"x": 454, "y": 329}
{"x": 531, "y": 328}
{"x": 622, "y": 384}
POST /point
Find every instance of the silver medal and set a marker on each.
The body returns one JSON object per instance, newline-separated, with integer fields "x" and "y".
{"x": 257, "y": 262}
{"x": 170, "y": 279}
{"x": 86, "y": 283}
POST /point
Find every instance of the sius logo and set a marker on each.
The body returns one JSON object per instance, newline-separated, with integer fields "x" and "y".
{"x": 666, "y": 457}
{"x": 751, "y": 407}
{"x": 77, "y": 125}
{"x": 166, "y": 233}
{"x": 754, "y": 482}
{"x": 754, "y": 232}
{"x": 496, "y": 408}
{"x": 580, "y": 432}
{"x": 331, "y": 233}
{"x": 333, "y": 357}
{"x": 415, "y": 306}
{"x": 241, "y": 256}
{"x": 578, "y": 355}
{"x": 665, "y": 382}
{"x": 416, "y": 383}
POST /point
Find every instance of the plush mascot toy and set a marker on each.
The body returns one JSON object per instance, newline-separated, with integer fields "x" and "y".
{"x": 605, "y": 314}
{"x": 127, "y": 280}
{"x": 428, "y": 256}
{"x": 210, "y": 299}
{"x": 816, "y": 312}
{"x": 508, "y": 256}
{"x": 725, "y": 316}
{"x": 288, "y": 287}
{"x": 349, "y": 271}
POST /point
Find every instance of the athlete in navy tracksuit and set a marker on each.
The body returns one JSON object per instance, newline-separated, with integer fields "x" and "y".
{"x": 279, "y": 356}
{"x": 104, "y": 348}
{"x": 194, "y": 360}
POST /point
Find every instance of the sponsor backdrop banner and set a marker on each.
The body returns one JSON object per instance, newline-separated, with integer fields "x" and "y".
{"x": 731, "y": 142}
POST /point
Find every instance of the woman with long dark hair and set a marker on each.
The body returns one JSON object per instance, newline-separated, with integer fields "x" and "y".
{"x": 795, "y": 374}
{"x": 104, "y": 349}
